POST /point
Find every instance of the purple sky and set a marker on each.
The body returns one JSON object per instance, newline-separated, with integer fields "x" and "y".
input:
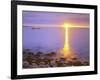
{"x": 31, "y": 18}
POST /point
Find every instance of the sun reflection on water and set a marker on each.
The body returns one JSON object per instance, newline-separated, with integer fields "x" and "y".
{"x": 66, "y": 51}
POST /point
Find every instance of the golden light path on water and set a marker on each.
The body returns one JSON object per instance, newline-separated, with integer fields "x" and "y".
{"x": 66, "y": 51}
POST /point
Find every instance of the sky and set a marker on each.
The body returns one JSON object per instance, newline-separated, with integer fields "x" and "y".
{"x": 44, "y": 30}
{"x": 31, "y": 18}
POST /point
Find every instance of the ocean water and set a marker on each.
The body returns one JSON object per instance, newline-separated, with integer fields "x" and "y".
{"x": 45, "y": 39}
{"x": 52, "y": 39}
{"x": 79, "y": 42}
